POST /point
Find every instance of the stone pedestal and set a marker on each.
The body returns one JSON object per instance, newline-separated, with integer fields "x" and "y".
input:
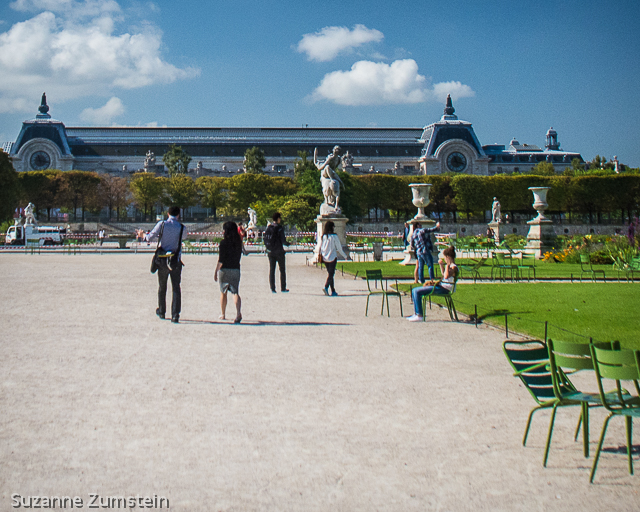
{"x": 339, "y": 228}
{"x": 541, "y": 236}
{"x": 409, "y": 253}
{"x": 495, "y": 226}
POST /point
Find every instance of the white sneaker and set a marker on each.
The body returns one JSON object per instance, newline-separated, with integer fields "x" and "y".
{"x": 414, "y": 318}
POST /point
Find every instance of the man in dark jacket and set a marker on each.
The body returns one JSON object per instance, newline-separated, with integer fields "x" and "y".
{"x": 276, "y": 253}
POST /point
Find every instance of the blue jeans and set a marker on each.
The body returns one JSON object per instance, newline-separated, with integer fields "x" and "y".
{"x": 425, "y": 258}
{"x": 420, "y": 291}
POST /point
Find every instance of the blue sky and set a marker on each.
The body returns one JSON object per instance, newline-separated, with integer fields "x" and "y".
{"x": 514, "y": 69}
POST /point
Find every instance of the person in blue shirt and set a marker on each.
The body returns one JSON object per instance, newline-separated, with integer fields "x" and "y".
{"x": 171, "y": 233}
{"x": 423, "y": 245}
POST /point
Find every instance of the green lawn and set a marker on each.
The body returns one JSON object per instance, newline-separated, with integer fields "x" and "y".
{"x": 574, "y": 311}
{"x": 544, "y": 270}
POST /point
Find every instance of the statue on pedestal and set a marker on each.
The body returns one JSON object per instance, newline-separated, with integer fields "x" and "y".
{"x": 29, "y": 217}
{"x": 330, "y": 181}
{"x": 347, "y": 161}
{"x": 495, "y": 211}
{"x": 150, "y": 160}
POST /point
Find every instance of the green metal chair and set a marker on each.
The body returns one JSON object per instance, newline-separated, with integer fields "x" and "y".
{"x": 587, "y": 268}
{"x": 628, "y": 269}
{"x": 528, "y": 262}
{"x": 530, "y": 362}
{"x": 566, "y": 358}
{"x": 503, "y": 263}
{"x": 474, "y": 268}
{"x": 373, "y": 277}
{"x": 618, "y": 365}
{"x": 448, "y": 301}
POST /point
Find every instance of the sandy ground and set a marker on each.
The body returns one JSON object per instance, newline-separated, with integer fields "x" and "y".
{"x": 308, "y": 405}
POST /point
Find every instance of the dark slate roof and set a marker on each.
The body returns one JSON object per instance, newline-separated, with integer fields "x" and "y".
{"x": 137, "y": 135}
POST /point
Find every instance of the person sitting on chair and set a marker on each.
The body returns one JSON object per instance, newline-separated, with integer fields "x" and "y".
{"x": 449, "y": 272}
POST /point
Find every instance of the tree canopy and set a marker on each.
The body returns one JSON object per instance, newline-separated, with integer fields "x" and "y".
{"x": 177, "y": 160}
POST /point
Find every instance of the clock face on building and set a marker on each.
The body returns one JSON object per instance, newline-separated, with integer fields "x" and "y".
{"x": 40, "y": 160}
{"x": 456, "y": 162}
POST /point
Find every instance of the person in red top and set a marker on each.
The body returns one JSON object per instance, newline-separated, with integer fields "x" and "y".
{"x": 241, "y": 231}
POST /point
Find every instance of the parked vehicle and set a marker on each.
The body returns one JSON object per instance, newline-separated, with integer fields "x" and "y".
{"x": 42, "y": 235}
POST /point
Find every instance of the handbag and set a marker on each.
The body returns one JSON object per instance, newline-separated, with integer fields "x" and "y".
{"x": 155, "y": 261}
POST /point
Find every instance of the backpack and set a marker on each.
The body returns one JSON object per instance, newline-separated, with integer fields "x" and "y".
{"x": 269, "y": 236}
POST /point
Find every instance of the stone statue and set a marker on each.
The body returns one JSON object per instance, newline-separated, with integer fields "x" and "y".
{"x": 29, "y": 217}
{"x": 150, "y": 160}
{"x": 253, "y": 218}
{"x": 330, "y": 181}
{"x": 124, "y": 168}
{"x": 495, "y": 211}
{"x": 616, "y": 165}
{"x": 372, "y": 169}
{"x": 347, "y": 160}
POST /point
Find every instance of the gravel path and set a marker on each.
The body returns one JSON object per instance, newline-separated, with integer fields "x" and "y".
{"x": 307, "y": 405}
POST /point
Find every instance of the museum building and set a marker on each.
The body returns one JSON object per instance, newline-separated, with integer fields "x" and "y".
{"x": 449, "y": 145}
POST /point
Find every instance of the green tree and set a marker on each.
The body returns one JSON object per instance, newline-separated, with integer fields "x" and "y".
{"x": 79, "y": 189}
{"x": 254, "y": 160}
{"x": 146, "y": 190}
{"x": 471, "y": 193}
{"x": 246, "y": 189}
{"x": 9, "y": 187}
{"x": 213, "y": 193}
{"x": 177, "y": 160}
{"x": 41, "y": 188}
{"x": 114, "y": 193}
{"x": 179, "y": 190}
{"x": 543, "y": 169}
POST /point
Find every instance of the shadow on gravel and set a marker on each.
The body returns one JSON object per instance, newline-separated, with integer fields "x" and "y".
{"x": 260, "y": 323}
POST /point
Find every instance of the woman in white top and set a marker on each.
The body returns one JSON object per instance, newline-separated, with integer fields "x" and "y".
{"x": 449, "y": 272}
{"x": 329, "y": 247}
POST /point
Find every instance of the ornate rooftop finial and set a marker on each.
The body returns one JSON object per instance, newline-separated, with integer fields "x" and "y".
{"x": 448, "y": 109}
{"x": 43, "y": 108}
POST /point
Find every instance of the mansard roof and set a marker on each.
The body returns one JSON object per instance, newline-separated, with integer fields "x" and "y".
{"x": 161, "y": 135}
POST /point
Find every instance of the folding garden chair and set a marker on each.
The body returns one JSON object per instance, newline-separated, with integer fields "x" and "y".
{"x": 565, "y": 358}
{"x": 448, "y": 301}
{"x": 473, "y": 268}
{"x": 373, "y": 277}
{"x": 618, "y": 365}
{"x": 530, "y": 362}
{"x": 587, "y": 268}
{"x": 528, "y": 262}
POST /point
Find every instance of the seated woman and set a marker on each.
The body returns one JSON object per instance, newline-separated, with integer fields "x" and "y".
{"x": 449, "y": 272}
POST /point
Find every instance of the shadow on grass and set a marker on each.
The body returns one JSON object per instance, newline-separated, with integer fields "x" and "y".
{"x": 499, "y": 313}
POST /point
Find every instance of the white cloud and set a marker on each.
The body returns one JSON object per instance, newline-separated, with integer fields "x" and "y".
{"x": 103, "y": 115}
{"x": 71, "y": 58}
{"x": 75, "y": 8}
{"x": 378, "y": 83}
{"x": 326, "y": 44}
{"x": 456, "y": 89}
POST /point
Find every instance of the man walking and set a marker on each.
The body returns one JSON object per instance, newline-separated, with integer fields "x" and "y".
{"x": 423, "y": 245}
{"x": 274, "y": 242}
{"x": 171, "y": 234}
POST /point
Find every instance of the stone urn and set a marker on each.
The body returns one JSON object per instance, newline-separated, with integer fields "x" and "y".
{"x": 540, "y": 201}
{"x": 420, "y": 199}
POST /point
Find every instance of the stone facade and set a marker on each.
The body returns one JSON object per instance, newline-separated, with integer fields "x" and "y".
{"x": 449, "y": 145}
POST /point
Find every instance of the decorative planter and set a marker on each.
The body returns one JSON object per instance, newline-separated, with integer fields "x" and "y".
{"x": 541, "y": 234}
{"x": 540, "y": 200}
{"x": 420, "y": 199}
